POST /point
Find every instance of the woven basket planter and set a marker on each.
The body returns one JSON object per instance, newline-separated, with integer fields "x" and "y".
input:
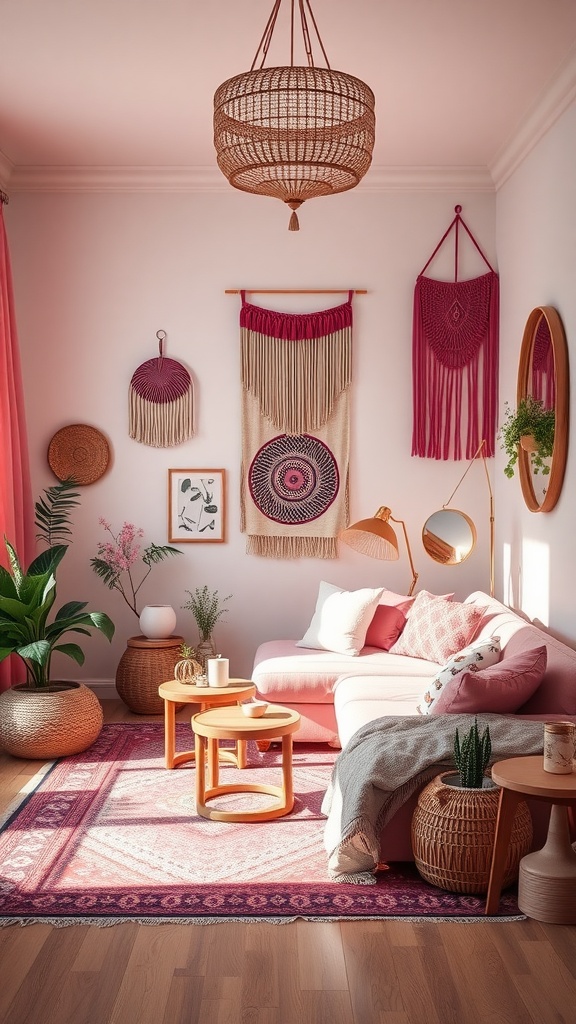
{"x": 63, "y": 719}
{"x": 143, "y": 666}
{"x": 453, "y": 832}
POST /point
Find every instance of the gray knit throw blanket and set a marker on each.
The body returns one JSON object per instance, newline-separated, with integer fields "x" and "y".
{"x": 384, "y": 763}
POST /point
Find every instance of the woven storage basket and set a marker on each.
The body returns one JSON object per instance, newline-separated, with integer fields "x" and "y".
{"x": 453, "y": 833}
{"x": 61, "y": 720}
{"x": 143, "y": 666}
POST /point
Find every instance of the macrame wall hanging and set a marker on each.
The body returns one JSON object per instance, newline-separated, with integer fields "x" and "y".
{"x": 296, "y": 374}
{"x": 543, "y": 375}
{"x": 161, "y": 401}
{"x": 455, "y": 360}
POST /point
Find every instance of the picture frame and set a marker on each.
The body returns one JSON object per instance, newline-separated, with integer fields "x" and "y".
{"x": 196, "y": 506}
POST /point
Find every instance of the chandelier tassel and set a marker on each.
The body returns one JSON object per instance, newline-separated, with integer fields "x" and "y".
{"x": 294, "y": 224}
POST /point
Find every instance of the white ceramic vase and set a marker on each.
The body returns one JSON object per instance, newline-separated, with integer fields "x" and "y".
{"x": 157, "y": 621}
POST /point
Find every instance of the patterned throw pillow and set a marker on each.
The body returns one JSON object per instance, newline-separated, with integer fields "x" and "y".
{"x": 499, "y": 689}
{"x": 478, "y": 655}
{"x": 437, "y": 628}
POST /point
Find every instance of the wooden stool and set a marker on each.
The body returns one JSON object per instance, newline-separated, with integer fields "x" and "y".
{"x": 232, "y": 724}
{"x": 175, "y": 693}
{"x": 547, "y": 880}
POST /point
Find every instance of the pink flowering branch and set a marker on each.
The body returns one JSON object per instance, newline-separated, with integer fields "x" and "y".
{"x": 115, "y": 559}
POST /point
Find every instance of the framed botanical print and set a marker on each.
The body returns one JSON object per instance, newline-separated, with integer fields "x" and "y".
{"x": 196, "y": 506}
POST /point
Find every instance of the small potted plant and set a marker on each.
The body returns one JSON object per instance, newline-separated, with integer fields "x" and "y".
{"x": 207, "y": 608}
{"x": 472, "y": 757}
{"x": 532, "y": 427}
{"x": 454, "y": 824}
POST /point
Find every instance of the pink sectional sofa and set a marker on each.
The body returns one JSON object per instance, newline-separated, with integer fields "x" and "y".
{"x": 337, "y": 694}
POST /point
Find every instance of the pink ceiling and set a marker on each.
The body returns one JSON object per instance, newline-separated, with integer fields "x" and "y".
{"x": 129, "y": 83}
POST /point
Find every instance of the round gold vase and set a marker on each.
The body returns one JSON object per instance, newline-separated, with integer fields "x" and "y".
{"x": 453, "y": 832}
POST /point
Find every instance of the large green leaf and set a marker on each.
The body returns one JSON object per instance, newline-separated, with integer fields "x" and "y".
{"x": 70, "y": 609}
{"x": 53, "y": 512}
{"x": 7, "y": 588}
{"x": 38, "y": 651}
{"x": 72, "y": 651}
{"x": 47, "y": 561}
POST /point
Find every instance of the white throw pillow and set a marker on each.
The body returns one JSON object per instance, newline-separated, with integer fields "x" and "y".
{"x": 341, "y": 619}
{"x": 478, "y": 655}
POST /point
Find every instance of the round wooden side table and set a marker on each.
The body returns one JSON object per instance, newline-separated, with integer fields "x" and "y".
{"x": 232, "y": 724}
{"x": 175, "y": 694}
{"x": 547, "y": 879}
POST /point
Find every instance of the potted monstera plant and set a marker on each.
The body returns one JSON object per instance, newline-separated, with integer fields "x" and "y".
{"x": 454, "y": 824}
{"x": 42, "y": 717}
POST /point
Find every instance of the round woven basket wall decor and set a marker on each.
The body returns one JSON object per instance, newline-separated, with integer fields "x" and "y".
{"x": 79, "y": 452}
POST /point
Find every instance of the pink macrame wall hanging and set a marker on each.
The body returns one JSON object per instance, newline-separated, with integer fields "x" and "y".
{"x": 455, "y": 360}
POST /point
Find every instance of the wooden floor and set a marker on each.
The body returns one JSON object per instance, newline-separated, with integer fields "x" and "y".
{"x": 372, "y": 972}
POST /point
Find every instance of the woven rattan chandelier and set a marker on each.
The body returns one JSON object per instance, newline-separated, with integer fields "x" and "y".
{"x": 293, "y": 133}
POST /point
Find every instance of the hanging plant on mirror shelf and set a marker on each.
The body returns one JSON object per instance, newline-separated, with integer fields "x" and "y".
{"x": 531, "y": 426}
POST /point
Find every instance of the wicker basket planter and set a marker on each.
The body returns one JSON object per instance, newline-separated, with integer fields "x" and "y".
{"x": 453, "y": 833}
{"x": 63, "y": 719}
{"x": 143, "y": 666}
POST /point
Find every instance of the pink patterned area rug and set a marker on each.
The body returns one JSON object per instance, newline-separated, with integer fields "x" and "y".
{"x": 111, "y": 835}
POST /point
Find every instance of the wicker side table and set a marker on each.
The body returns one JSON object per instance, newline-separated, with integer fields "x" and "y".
{"x": 143, "y": 666}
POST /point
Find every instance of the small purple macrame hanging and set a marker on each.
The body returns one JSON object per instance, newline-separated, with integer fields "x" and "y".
{"x": 161, "y": 401}
{"x": 455, "y": 361}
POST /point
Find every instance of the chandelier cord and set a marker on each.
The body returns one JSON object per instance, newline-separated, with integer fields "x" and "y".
{"x": 264, "y": 44}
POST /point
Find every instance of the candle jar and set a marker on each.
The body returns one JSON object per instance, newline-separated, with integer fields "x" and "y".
{"x": 217, "y": 671}
{"x": 558, "y": 747}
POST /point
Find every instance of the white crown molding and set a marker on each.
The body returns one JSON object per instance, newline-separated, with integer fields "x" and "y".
{"x": 210, "y": 179}
{"x": 551, "y": 105}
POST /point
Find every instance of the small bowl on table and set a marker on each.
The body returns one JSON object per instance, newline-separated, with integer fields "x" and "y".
{"x": 254, "y": 708}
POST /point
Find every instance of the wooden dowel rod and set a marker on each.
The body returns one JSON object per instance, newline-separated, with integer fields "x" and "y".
{"x": 295, "y": 291}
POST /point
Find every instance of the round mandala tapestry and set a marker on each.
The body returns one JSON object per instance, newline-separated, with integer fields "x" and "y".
{"x": 293, "y": 479}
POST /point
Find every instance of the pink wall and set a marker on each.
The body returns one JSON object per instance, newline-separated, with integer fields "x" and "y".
{"x": 96, "y": 275}
{"x": 536, "y": 241}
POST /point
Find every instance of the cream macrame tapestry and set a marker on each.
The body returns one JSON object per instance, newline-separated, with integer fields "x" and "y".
{"x": 296, "y": 373}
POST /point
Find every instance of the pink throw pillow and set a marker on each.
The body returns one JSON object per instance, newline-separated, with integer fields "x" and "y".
{"x": 437, "y": 627}
{"x": 389, "y": 620}
{"x": 499, "y": 689}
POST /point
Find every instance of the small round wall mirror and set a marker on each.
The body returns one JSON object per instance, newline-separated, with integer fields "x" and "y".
{"x": 449, "y": 536}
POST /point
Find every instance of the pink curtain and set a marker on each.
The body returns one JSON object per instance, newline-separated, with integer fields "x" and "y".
{"x": 16, "y": 507}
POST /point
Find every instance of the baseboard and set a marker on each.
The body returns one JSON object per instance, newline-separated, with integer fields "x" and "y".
{"x": 105, "y": 689}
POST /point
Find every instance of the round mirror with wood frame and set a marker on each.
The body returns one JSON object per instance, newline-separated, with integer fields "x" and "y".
{"x": 540, "y": 318}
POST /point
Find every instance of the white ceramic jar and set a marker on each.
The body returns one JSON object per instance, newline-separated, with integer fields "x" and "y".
{"x": 157, "y": 621}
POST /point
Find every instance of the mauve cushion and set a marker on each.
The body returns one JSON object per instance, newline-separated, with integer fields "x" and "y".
{"x": 500, "y": 689}
{"x": 389, "y": 620}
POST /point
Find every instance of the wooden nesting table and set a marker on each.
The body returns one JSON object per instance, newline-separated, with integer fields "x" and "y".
{"x": 231, "y": 723}
{"x": 174, "y": 692}
{"x": 547, "y": 881}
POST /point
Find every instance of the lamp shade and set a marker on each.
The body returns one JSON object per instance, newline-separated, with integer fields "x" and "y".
{"x": 373, "y": 537}
{"x": 376, "y": 538}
